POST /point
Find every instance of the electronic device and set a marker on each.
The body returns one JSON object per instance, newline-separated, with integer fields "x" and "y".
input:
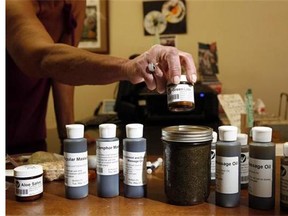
{"x": 135, "y": 103}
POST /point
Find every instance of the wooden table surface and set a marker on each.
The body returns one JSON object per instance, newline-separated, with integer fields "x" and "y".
{"x": 54, "y": 202}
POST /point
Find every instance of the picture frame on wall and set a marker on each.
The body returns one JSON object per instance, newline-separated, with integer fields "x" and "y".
{"x": 95, "y": 35}
{"x": 162, "y": 17}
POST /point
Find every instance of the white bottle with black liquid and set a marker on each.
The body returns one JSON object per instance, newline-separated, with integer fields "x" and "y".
{"x": 228, "y": 155}
{"x": 243, "y": 139}
{"x": 134, "y": 162}
{"x": 284, "y": 179}
{"x": 107, "y": 151}
{"x": 261, "y": 169}
{"x": 76, "y": 162}
{"x": 213, "y": 157}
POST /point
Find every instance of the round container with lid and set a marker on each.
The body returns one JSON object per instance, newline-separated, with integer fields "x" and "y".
{"x": 180, "y": 97}
{"x": 28, "y": 182}
{"x": 187, "y": 163}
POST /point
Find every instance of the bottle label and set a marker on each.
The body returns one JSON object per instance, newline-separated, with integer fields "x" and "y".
{"x": 260, "y": 177}
{"x": 227, "y": 175}
{"x": 284, "y": 184}
{"x": 213, "y": 158}
{"x": 76, "y": 169}
{"x": 28, "y": 187}
{"x": 244, "y": 167}
{"x": 108, "y": 158}
{"x": 180, "y": 92}
{"x": 134, "y": 168}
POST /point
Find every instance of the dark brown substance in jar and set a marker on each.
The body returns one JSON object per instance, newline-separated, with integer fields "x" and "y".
{"x": 30, "y": 198}
{"x": 181, "y": 106}
{"x": 27, "y": 198}
{"x": 28, "y": 188}
{"x": 187, "y": 172}
{"x": 180, "y": 97}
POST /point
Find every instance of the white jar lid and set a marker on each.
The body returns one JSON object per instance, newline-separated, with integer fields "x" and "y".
{"x": 285, "y": 149}
{"x": 215, "y": 136}
{"x": 29, "y": 170}
{"x": 227, "y": 133}
{"x": 107, "y": 130}
{"x": 134, "y": 130}
{"x": 261, "y": 134}
{"x": 183, "y": 78}
{"x": 242, "y": 138}
{"x": 75, "y": 131}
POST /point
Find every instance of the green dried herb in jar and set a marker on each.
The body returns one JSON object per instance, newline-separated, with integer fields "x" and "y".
{"x": 187, "y": 163}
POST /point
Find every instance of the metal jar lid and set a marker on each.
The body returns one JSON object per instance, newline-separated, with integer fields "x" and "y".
{"x": 187, "y": 133}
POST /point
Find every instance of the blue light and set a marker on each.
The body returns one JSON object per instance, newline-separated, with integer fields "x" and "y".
{"x": 202, "y": 95}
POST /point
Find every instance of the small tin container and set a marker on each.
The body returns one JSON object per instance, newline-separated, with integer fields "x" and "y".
{"x": 180, "y": 97}
{"x": 187, "y": 163}
{"x": 28, "y": 181}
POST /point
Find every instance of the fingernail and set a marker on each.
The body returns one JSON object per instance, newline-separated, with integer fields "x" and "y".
{"x": 194, "y": 78}
{"x": 176, "y": 79}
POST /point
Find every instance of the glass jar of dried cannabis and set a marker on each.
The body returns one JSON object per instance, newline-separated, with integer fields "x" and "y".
{"x": 187, "y": 163}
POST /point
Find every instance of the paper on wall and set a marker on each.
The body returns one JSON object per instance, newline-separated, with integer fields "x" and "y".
{"x": 233, "y": 106}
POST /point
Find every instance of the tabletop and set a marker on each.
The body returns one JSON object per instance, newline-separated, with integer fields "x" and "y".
{"x": 54, "y": 202}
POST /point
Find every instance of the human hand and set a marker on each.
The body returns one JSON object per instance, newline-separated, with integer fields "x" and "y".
{"x": 168, "y": 61}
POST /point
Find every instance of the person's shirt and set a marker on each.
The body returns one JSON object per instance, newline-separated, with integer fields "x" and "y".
{"x": 27, "y": 97}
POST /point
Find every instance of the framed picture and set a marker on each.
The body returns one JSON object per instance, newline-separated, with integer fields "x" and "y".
{"x": 95, "y": 35}
{"x": 164, "y": 17}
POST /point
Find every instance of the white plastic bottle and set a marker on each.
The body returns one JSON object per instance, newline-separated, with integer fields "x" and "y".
{"x": 134, "y": 162}
{"x": 76, "y": 162}
{"x": 243, "y": 139}
{"x": 284, "y": 179}
{"x": 228, "y": 154}
{"x": 213, "y": 156}
{"x": 107, "y": 150}
{"x": 262, "y": 169}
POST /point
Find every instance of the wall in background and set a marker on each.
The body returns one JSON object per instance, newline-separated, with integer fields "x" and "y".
{"x": 251, "y": 38}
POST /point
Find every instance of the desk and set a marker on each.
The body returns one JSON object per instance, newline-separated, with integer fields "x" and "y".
{"x": 54, "y": 202}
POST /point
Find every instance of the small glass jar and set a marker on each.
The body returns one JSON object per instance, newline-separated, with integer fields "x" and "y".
{"x": 180, "y": 97}
{"x": 187, "y": 163}
{"x": 28, "y": 181}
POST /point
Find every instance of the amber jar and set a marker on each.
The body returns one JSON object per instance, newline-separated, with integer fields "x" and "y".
{"x": 28, "y": 181}
{"x": 180, "y": 97}
{"x": 187, "y": 163}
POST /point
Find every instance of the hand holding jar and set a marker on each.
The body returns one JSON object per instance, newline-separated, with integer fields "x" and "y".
{"x": 159, "y": 65}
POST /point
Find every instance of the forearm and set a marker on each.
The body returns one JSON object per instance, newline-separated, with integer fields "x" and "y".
{"x": 34, "y": 51}
{"x": 63, "y": 97}
{"x": 75, "y": 66}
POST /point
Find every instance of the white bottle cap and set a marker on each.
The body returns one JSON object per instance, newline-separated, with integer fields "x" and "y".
{"x": 148, "y": 164}
{"x": 227, "y": 133}
{"x": 28, "y": 170}
{"x": 285, "y": 149}
{"x": 75, "y": 131}
{"x": 107, "y": 130}
{"x": 261, "y": 134}
{"x": 215, "y": 136}
{"x": 242, "y": 138}
{"x": 183, "y": 78}
{"x": 134, "y": 130}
